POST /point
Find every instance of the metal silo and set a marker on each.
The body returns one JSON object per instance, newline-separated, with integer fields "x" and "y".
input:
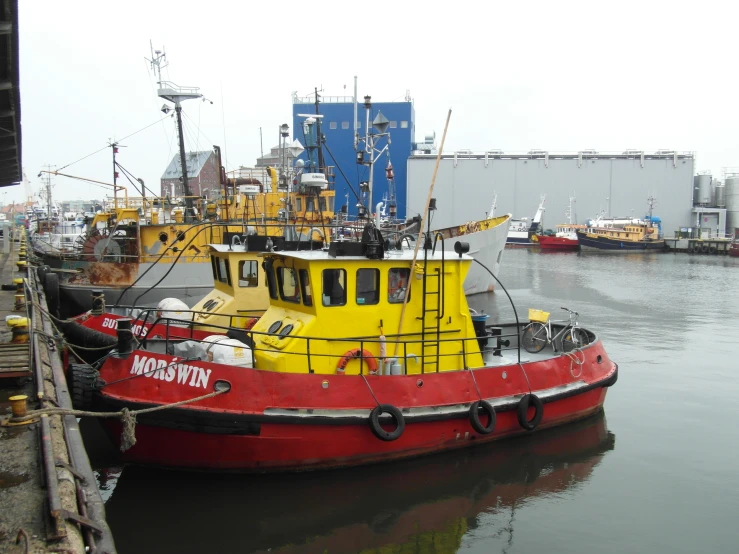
{"x": 703, "y": 186}
{"x": 720, "y": 195}
{"x": 731, "y": 193}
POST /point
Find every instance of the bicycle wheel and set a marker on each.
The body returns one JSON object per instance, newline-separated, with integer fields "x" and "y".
{"x": 534, "y": 337}
{"x": 573, "y": 338}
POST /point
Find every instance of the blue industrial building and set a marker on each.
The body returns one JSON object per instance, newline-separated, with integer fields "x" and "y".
{"x": 338, "y": 131}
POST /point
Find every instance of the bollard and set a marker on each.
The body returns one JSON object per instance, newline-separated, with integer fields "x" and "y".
{"x": 125, "y": 337}
{"x": 18, "y": 405}
{"x": 98, "y": 302}
{"x": 20, "y": 295}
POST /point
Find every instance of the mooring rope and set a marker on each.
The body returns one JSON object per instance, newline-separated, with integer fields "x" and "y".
{"x": 128, "y": 417}
{"x": 574, "y": 360}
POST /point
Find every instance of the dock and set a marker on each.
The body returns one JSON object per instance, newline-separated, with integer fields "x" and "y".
{"x": 708, "y": 246}
{"x": 48, "y": 492}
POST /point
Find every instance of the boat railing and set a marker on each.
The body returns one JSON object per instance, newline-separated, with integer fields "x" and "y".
{"x": 234, "y": 321}
{"x": 409, "y": 345}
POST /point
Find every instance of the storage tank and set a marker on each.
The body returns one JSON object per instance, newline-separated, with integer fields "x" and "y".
{"x": 714, "y": 182}
{"x": 731, "y": 193}
{"x": 703, "y": 190}
{"x": 720, "y": 195}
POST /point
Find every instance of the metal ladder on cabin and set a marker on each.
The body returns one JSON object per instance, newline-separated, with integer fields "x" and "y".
{"x": 432, "y": 310}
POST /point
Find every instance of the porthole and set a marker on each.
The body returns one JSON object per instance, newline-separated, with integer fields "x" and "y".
{"x": 180, "y": 236}
{"x": 163, "y": 237}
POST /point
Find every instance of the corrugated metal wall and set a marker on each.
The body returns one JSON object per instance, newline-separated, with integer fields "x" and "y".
{"x": 464, "y": 187}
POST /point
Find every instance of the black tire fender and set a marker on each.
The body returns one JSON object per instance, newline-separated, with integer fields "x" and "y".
{"x": 378, "y": 431}
{"x": 85, "y": 381}
{"x": 523, "y": 409}
{"x": 42, "y": 271}
{"x": 51, "y": 289}
{"x": 712, "y": 249}
{"x": 475, "y": 417}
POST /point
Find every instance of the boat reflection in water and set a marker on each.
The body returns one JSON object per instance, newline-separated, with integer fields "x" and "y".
{"x": 424, "y": 505}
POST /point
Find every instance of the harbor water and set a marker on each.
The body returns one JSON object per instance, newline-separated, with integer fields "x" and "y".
{"x": 655, "y": 472}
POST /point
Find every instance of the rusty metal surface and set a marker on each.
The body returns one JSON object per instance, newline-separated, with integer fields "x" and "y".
{"x": 106, "y": 274}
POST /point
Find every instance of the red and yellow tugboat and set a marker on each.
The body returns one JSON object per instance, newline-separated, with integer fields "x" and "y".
{"x": 364, "y": 355}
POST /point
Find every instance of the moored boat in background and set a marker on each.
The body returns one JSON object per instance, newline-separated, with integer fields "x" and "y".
{"x": 623, "y": 234}
{"x": 522, "y": 233}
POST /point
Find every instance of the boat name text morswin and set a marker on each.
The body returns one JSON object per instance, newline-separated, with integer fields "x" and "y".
{"x": 139, "y": 330}
{"x": 167, "y": 371}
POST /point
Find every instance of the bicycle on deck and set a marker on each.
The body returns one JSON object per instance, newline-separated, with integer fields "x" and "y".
{"x": 539, "y": 333}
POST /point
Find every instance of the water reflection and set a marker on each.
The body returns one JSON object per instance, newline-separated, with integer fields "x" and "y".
{"x": 419, "y": 506}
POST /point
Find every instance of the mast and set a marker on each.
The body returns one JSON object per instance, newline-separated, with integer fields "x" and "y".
{"x": 176, "y": 94}
{"x": 319, "y": 138}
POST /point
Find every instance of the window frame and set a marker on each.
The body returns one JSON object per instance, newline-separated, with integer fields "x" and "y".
{"x": 407, "y": 280}
{"x": 306, "y": 292}
{"x": 376, "y": 289}
{"x": 323, "y": 286}
{"x": 281, "y": 270}
{"x": 252, "y": 264}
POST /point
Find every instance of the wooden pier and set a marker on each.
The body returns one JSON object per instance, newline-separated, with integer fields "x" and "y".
{"x": 49, "y": 497}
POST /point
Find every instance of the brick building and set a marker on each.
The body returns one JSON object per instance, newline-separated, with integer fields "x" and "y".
{"x": 202, "y": 175}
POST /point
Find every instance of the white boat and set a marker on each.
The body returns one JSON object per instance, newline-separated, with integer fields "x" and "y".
{"x": 521, "y": 230}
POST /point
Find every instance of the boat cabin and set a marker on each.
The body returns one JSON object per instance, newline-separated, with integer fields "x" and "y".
{"x": 344, "y": 310}
{"x": 628, "y": 232}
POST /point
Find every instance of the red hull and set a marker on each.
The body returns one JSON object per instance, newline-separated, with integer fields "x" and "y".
{"x": 281, "y": 421}
{"x": 734, "y": 249}
{"x": 106, "y": 323}
{"x": 557, "y": 243}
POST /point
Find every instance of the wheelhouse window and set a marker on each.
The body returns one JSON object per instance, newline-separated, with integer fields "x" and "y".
{"x": 271, "y": 282}
{"x": 305, "y": 287}
{"x": 287, "y": 281}
{"x": 299, "y": 204}
{"x": 221, "y": 271}
{"x": 368, "y": 286}
{"x": 322, "y": 203}
{"x": 248, "y": 275}
{"x": 397, "y": 283}
{"x": 334, "y": 287}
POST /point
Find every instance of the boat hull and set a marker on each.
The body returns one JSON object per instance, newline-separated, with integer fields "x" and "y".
{"x": 734, "y": 249}
{"x": 603, "y": 244}
{"x": 272, "y": 421}
{"x": 558, "y": 243}
{"x": 141, "y": 284}
{"x": 486, "y": 247}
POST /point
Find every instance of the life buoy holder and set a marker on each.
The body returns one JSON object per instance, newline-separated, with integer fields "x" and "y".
{"x": 526, "y": 401}
{"x": 475, "y": 417}
{"x": 378, "y": 431}
{"x": 350, "y": 355}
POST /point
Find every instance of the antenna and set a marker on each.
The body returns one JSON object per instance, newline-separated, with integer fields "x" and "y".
{"x": 158, "y": 61}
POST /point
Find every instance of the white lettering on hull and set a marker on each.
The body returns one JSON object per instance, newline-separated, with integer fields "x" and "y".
{"x": 167, "y": 371}
{"x": 138, "y": 330}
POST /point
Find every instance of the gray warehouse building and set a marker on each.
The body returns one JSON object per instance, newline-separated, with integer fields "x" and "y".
{"x": 616, "y": 183}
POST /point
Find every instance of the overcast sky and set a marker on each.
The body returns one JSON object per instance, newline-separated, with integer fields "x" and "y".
{"x": 558, "y": 76}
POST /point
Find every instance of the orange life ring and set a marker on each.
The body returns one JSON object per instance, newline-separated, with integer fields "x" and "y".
{"x": 349, "y": 355}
